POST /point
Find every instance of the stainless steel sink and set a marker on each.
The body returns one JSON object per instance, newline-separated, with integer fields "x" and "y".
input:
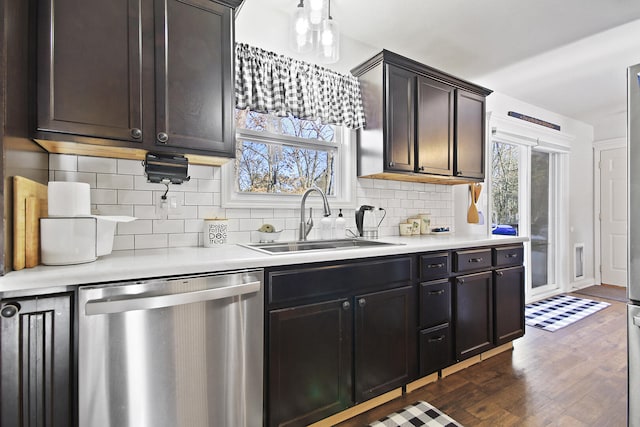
{"x": 315, "y": 245}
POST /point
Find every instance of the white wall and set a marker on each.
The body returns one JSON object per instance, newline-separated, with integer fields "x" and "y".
{"x": 581, "y": 194}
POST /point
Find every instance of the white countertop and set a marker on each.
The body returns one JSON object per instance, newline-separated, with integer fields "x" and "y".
{"x": 148, "y": 263}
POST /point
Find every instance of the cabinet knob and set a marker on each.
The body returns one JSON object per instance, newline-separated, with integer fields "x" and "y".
{"x": 136, "y": 133}
{"x": 459, "y": 173}
{"x": 460, "y": 281}
{"x": 10, "y": 310}
{"x": 346, "y": 305}
{"x": 362, "y": 302}
{"x": 499, "y": 273}
{"x": 421, "y": 168}
{"x": 390, "y": 164}
{"x": 163, "y": 137}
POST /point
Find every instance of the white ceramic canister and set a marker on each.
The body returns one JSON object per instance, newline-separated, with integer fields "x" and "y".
{"x": 425, "y": 223}
{"x": 415, "y": 222}
{"x": 215, "y": 231}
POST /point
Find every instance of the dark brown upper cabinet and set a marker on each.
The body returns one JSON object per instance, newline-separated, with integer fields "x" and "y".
{"x": 422, "y": 124}
{"x": 135, "y": 75}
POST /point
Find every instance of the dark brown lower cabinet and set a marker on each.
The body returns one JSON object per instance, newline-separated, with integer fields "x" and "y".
{"x": 384, "y": 341}
{"x": 36, "y": 338}
{"x": 435, "y": 349}
{"x": 508, "y": 294}
{"x": 310, "y": 364}
{"x": 473, "y": 302}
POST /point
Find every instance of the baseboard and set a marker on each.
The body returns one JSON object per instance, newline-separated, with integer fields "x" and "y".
{"x": 460, "y": 366}
{"x": 421, "y": 382}
{"x": 495, "y": 351}
{"x": 358, "y": 409}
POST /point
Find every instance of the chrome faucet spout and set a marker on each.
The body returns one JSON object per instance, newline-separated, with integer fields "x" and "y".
{"x": 305, "y": 227}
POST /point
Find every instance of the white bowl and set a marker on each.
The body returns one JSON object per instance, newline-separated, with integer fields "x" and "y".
{"x": 268, "y": 237}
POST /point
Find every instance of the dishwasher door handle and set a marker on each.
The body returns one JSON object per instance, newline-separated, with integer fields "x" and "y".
{"x": 108, "y": 306}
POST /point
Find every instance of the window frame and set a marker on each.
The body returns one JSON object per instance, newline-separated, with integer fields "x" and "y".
{"x": 345, "y": 173}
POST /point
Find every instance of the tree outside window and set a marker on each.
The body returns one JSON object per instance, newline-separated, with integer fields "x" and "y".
{"x": 284, "y": 155}
{"x": 505, "y": 184}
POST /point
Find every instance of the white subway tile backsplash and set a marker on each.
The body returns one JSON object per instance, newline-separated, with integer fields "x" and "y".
{"x": 104, "y": 197}
{"x": 183, "y": 240}
{"x": 206, "y": 186}
{"x": 193, "y": 225}
{"x": 124, "y": 182}
{"x": 63, "y": 162}
{"x": 150, "y": 241}
{"x": 121, "y": 243}
{"x": 97, "y": 164}
{"x": 145, "y": 212}
{"x": 140, "y": 226}
{"x": 135, "y": 197}
{"x": 126, "y": 210}
{"x": 119, "y": 187}
{"x": 89, "y": 178}
{"x": 200, "y": 172}
{"x": 130, "y": 167}
{"x": 168, "y": 226}
{"x": 204, "y": 199}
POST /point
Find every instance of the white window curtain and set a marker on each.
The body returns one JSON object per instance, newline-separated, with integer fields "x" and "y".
{"x": 270, "y": 83}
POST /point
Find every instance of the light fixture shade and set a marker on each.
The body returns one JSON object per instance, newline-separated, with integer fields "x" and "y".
{"x": 317, "y": 11}
{"x": 328, "y": 45}
{"x": 301, "y": 38}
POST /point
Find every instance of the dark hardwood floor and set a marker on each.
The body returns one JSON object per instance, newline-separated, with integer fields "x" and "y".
{"x": 576, "y": 376}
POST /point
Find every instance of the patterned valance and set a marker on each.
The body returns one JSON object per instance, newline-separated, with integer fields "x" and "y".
{"x": 270, "y": 83}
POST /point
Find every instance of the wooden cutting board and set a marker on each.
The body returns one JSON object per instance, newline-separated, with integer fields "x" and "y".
{"x": 29, "y": 205}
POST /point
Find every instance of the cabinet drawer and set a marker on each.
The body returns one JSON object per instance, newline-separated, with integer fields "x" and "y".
{"x": 435, "y": 303}
{"x": 435, "y": 349}
{"x": 508, "y": 255}
{"x": 435, "y": 266}
{"x": 326, "y": 281}
{"x": 470, "y": 260}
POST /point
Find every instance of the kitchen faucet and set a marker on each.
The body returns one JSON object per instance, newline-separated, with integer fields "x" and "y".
{"x": 305, "y": 227}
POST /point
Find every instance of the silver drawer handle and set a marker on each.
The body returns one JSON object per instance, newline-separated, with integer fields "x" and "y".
{"x": 146, "y": 303}
{"x": 475, "y": 259}
{"x": 440, "y": 265}
{"x": 438, "y": 292}
{"x": 511, "y": 256}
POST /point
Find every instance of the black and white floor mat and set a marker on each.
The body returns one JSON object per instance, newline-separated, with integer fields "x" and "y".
{"x": 557, "y": 312}
{"x": 418, "y": 414}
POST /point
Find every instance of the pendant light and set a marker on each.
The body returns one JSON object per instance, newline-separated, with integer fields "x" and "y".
{"x": 301, "y": 35}
{"x": 313, "y": 30}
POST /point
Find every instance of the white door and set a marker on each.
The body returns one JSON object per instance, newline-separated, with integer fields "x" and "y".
{"x": 613, "y": 216}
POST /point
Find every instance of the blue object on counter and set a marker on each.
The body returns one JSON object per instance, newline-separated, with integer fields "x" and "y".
{"x": 505, "y": 230}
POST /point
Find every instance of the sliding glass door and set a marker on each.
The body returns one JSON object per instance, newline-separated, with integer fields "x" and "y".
{"x": 543, "y": 222}
{"x": 524, "y": 189}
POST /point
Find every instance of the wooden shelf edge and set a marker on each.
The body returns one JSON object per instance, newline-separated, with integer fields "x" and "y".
{"x": 416, "y": 177}
{"x": 63, "y": 147}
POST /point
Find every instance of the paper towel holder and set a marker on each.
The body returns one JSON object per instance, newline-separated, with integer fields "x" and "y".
{"x": 166, "y": 168}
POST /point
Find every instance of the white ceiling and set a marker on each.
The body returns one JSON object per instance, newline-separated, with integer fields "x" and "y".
{"x": 567, "y": 56}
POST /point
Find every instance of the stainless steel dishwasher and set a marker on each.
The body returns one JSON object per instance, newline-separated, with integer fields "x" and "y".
{"x": 172, "y": 352}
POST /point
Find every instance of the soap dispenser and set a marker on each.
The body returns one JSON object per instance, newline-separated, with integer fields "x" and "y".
{"x": 340, "y": 226}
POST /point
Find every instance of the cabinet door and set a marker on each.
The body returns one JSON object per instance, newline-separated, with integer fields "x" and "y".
{"x": 435, "y": 122}
{"x": 310, "y": 362}
{"x": 385, "y": 341}
{"x": 400, "y": 119}
{"x": 90, "y": 68}
{"x": 36, "y": 337}
{"x": 473, "y": 314}
{"x": 470, "y": 135}
{"x": 194, "y": 69}
{"x": 509, "y": 304}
